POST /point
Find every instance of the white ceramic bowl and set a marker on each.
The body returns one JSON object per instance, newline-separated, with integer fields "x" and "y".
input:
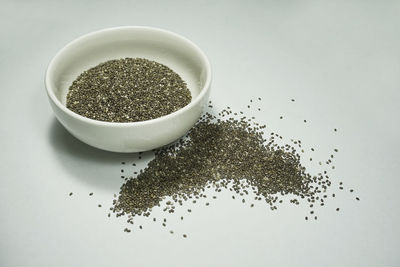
{"x": 165, "y": 47}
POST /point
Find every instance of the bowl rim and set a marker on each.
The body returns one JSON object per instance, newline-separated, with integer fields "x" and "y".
{"x": 194, "y": 102}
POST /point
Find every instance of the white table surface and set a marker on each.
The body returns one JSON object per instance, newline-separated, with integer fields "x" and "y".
{"x": 340, "y": 60}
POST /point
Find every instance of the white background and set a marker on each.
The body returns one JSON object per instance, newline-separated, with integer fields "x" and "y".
{"x": 338, "y": 59}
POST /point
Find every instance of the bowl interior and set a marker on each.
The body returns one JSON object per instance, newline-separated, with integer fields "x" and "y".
{"x": 167, "y": 48}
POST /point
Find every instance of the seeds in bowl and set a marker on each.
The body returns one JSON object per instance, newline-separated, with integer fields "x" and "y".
{"x": 128, "y": 90}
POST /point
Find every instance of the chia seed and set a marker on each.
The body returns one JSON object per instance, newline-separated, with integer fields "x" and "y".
{"x": 127, "y": 90}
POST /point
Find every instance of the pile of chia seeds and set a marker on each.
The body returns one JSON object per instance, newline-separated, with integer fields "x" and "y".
{"x": 224, "y": 151}
{"x": 127, "y": 90}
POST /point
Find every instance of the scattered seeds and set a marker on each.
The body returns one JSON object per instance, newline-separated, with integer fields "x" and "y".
{"x": 223, "y": 153}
